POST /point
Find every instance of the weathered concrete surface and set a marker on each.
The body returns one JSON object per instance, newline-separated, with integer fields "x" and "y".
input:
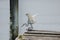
{"x": 41, "y": 38}
{"x": 42, "y": 35}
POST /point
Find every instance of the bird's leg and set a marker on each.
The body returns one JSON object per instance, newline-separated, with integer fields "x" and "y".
{"x": 23, "y": 24}
{"x": 31, "y": 26}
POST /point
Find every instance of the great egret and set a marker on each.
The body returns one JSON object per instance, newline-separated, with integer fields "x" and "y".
{"x": 31, "y": 21}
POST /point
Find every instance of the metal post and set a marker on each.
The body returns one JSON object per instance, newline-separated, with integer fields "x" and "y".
{"x": 13, "y": 19}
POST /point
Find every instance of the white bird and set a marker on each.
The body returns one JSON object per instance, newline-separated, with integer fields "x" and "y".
{"x": 31, "y": 21}
{"x": 31, "y": 18}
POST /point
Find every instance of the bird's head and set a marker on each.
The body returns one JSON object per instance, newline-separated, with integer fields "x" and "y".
{"x": 27, "y": 14}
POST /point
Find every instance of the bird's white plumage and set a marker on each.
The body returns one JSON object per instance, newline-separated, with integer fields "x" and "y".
{"x": 31, "y": 18}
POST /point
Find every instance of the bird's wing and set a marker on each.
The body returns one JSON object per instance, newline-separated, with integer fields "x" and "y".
{"x": 34, "y": 16}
